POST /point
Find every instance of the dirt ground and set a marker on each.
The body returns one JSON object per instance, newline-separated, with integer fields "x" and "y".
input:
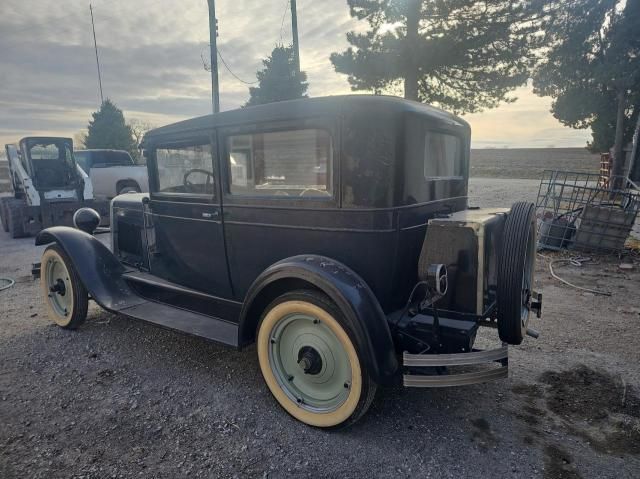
{"x": 119, "y": 398}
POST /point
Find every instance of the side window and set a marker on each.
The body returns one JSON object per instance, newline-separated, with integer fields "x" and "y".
{"x": 185, "y": 169}
{"x": 442, "y": 156}
{"x": 281, "y": 163}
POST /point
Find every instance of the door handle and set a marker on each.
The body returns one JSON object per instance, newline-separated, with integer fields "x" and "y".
{"x": 210, "y": 215}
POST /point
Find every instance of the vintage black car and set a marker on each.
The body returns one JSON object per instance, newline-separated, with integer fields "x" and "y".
{"x": 335, "y": 233}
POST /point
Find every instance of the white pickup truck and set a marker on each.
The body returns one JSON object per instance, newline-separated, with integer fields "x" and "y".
{"x": 112, "y": 172}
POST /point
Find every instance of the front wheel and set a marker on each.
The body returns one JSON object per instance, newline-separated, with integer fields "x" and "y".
{"x": 65, "y": 296}
{"x": 310, "y": 362}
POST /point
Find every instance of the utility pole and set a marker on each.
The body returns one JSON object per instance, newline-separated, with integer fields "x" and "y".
{"x": 213, "y": 33}
{"x": 294, "y": 28}
{"x": 95, "y": 46}
{"x": 411, "y": 72}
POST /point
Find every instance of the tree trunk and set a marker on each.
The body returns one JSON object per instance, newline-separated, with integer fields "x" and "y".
{"x": 411, "y": 73}
{"x": 618, "y": 155}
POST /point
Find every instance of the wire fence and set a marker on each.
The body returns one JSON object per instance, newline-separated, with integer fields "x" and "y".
{"x": 577, "y": 211}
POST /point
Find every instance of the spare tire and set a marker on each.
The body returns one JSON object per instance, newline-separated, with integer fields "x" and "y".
{"x": 515, "y": 272}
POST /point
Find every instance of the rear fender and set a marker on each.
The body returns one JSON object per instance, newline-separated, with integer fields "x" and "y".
{"x": 350, "y": 293}
{"x": 98, "y": 269}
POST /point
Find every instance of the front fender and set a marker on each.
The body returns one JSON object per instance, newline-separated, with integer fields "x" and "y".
{"x": 98, "y": 269}
{"x": 350, "y": 293}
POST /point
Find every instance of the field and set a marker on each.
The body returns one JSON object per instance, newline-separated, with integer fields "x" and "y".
{"x": 530, "y": 162}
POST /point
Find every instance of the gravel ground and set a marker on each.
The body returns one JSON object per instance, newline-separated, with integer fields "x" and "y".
{"x": 119, "y": 398}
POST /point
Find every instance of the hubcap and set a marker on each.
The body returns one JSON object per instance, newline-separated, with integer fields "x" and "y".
{"x": 310, "y": 363}
{"x": 58, "y": 285}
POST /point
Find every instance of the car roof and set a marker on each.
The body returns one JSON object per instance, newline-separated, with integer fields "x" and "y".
{"x": 302, "y": 108}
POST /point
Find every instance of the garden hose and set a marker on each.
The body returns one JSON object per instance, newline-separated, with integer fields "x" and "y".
{"x": 6, "y": 283}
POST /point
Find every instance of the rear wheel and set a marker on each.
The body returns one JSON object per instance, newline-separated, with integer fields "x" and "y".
{"x": 515, "y": 272}
{"x": 65, "y": 296}
{"x": 310, "y": 362}
{"x": 4, "y": 213}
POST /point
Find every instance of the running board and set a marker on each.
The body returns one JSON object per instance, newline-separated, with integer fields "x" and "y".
{"x": 178, "y": 319}
{"x": 461, "y": 359}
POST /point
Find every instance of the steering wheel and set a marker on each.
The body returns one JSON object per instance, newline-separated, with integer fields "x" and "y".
{"x": 186, "y": 182}
{"x": 314, "y": 192}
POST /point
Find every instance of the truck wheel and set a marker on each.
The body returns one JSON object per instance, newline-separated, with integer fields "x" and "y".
{"x": 515, "y": 272}
{"x": 15, "y": 217}
{"x": 310, "y": 362}
{"x": 4, "y": 212}
{"x": 65, "y": 296}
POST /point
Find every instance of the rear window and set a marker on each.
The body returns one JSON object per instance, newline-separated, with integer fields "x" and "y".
{"x": 45, "y": 151}
{"x": 110, "y": 158}
{"x": 442, "y": 156}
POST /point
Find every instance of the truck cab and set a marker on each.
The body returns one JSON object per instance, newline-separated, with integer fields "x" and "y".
{"x": 112, "y": 172}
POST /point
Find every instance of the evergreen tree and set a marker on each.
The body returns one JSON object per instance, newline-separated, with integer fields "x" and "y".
{"x": 278, "y": 80}
{"x": 109, "y": 130}
{"x": 592, "y": 69}
{"x": 463, "y": 55}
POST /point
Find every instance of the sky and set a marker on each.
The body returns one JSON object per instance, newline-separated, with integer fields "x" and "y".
{"x": 151, "y": 60}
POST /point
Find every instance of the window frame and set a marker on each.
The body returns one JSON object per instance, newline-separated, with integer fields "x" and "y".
{"x": 327, "y": 125}
{"x": 154, "y": 176}
{"x": 461, "y": 155}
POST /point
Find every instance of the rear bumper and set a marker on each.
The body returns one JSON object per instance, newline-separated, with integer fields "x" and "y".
{"x": 418, "y": 367}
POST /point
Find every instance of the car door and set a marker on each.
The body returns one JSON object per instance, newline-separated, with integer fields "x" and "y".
{"x": 280, "y": 195}
{"x": 187, "y": 244}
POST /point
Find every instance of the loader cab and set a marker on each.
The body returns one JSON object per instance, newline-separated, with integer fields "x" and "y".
{"x": 50, "y": 163}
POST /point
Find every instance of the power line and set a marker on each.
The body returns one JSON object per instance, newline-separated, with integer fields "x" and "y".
{"x": 284, "y": 14}
{"x": 233, "y": 74}
{"x": 95, "y": 45}
{"x": 207, "y": 67}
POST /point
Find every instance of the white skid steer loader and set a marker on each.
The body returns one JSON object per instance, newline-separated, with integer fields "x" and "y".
{"x": 48, "y": 187}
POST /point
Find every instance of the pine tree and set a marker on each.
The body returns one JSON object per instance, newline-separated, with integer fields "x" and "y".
{"x": 463, "y": 55}
{"x": 109, "y": 130}
{"x": 278, "y": 80}
{"x": 592, "y": 69}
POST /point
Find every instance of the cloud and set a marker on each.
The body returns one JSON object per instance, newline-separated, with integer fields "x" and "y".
{"x": 150, "y": 54}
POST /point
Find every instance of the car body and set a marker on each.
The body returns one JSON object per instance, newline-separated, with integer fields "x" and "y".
{"x": 322, "y": 230}
{"x": 112, "y": 172}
